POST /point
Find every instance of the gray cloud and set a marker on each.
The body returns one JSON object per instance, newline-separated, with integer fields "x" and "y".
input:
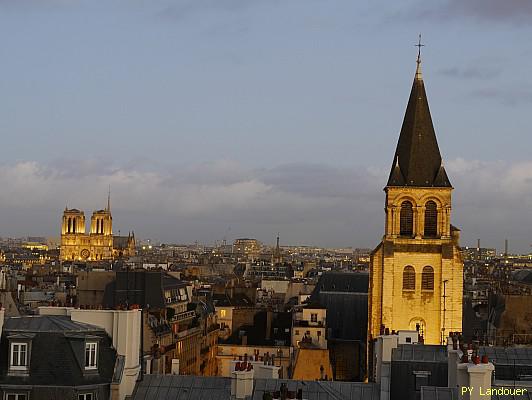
{"x": 308, "y": 203}
{"x": 509, "y": 96}
{"x": 476, "y": 72}
{"x": 508, "y": 11}
{"x": 183, "y": 9}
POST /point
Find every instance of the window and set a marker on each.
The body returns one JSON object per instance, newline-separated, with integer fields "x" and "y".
{"x": 19, "y": 356}
{"x": 223, "y": 313}
{"x": 427, "y": 278}
{"x": 422, "y": 378}
{"x": 409, "y": 278}
{"x": 90, "y": 355}
{"x": 313, "y": 317}
{"x": 85, "y": 396}
{"x": 406, "y": 223}
{"x": 297, "y": 332}
{"x": 16, "y": 396}
{"x": 431, "y": 219}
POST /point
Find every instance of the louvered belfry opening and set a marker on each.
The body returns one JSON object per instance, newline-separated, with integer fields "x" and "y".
{"x": 406, "y": 227}
{"x": 427, "y": 278}
{"x": 409, "y": 278}
{"x": 431, "y": 219}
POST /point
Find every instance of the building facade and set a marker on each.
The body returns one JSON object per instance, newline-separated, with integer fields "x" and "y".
{"x": 416, "y": 272}
{"x": 99, "y": 244}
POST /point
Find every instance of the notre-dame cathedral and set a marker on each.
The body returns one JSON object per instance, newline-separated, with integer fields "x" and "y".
{"x": 99, "y": 244}
{"x": 416, "y": 271}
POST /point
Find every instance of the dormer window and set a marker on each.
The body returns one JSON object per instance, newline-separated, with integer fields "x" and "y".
{"x": 91, "y": 353}
{"x": 19, "y": 356}
{"x": 16, "y": 396}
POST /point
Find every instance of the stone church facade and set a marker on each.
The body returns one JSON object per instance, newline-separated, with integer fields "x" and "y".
{"x": 99, "y": 244}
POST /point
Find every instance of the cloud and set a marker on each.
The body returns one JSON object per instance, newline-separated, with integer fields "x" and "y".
{"x": 509, "y": 96}
{"x": 221, "y": 192}
{"x": 184, "y": 9}
{"x": 479, "y": 72}
{"x": 507, "y": 11}
{"x": 309, "y": 203}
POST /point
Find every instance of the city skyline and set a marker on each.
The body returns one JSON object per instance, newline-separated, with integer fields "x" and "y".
{"x": 259, "y": 135}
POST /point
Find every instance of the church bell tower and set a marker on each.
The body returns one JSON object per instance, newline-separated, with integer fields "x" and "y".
{"x": 416, "y": 271}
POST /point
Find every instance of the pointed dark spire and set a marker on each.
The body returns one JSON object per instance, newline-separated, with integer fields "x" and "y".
{"x": 417, "y": 160}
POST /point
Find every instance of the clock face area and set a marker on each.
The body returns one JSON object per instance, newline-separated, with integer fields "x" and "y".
{"x": 85, "y": 254}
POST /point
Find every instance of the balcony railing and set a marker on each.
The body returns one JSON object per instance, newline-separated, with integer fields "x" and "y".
{"x": 306, "y": 323}
{"x": 183, "y": 316}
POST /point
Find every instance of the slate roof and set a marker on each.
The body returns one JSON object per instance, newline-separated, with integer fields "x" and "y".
{"x": 185, "y": 387}
{"x": 353, "y": 282}
{"x": 121, "y": 242}
{"x": 182, "y": 387}
{"x": 417, "y": 160}
{"x": 320, "y": 390}
{"x": 57, "y": 352}
{"x": 438, "y": 393}
{"x": 511, "y": 363}
{"x": 417, "y": 353}
{"x": 345, "y": 296}
{"x": 524, "y": 396}
{"x": 46, "y": 323}
{"x": 140, "y": 287}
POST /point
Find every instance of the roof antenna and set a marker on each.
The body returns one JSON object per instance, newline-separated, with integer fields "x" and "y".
{"x": 418, "y": 61}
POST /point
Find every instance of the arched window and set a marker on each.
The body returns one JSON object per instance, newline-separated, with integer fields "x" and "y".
{"x": 431, "y": 219}
{"x": 68, "y": 225}
{"x": 427, "y": 278}
{"x": 406, "y": 227}
{"x": 409, "y": 278}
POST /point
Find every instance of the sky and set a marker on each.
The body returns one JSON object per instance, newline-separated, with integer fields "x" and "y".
{"x": 219, "y": 119}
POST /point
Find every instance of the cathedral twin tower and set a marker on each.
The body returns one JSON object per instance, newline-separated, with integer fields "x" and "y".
{"x": 100, "y": 244}
{"x": 416, "y": 272}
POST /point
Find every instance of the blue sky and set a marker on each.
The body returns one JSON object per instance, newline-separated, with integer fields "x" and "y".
{"x": 213, "y": 118}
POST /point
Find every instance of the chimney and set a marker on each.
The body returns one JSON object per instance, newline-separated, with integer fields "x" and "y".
{"x": 383, "y": 356}
{"x": 241, "y": 379}
{"x": 175, "y": 366}
{"x": 453, "y": 358}
{"x": 473, "y": 377}
{"x": 479, "y": 381}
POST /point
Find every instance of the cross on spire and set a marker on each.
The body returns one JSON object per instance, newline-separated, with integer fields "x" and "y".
{"x": 419, "y": 46}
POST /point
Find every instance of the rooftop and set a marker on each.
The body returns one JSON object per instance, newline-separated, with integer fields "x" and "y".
{"x": 46, "y": 323}
{"x": 186, "y": 387}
